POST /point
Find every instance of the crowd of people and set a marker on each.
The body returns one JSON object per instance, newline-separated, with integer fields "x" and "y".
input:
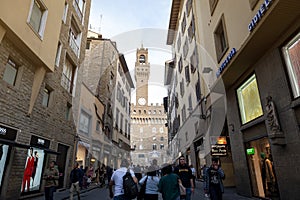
{"x": 174, "y": 182}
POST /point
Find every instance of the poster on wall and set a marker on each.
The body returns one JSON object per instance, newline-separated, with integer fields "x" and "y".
{"x": 33, "y": 170}
{"x": 3, "y": 156}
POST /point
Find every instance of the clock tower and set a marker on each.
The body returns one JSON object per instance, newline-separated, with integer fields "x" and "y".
{"x": 141, "y": 73}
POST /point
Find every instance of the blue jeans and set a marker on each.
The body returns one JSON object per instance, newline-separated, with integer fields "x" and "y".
{"x": 188, "y": 194}
{"x": 49, "y": 192}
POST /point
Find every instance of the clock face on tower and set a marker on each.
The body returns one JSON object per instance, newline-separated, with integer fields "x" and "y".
{"x": 142, "y": 101}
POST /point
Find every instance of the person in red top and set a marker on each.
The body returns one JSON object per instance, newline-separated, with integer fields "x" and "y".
{"x": 28, "y": 171}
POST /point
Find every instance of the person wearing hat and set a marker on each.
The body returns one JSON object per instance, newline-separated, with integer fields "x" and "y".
{"x": 213, "y": 184}
{"x": 117, "y": 180}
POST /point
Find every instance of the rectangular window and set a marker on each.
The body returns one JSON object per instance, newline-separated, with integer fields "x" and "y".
{"x": 68, "y": 76}
{"x": 179, "y": 66}
{"x": 185, "y": 48}
{"x": 154, "y": 147}
{"x": 162, "y": 146}
{"x": 187, "y": 74}
{"x": 84, "y": 122}
{"x": 178, "y": 42}
{"x": 68, "y": 111}
{"x": 10, "y": 73}
{"x": 183, "y": 113}
{"x": 37, "y": 17}
{"x": 220, "y": 37}
{"x": 46, "y": 97}
{"x": 183, "y": 24}
{"x": 64, "y": 18}
{"x": 58, "y": 53}
{"x": 75, "y": 37}
{"x": 291, "y": 53}
{"x": 97, "y": 125}
{"x": 249, "y": 100}
{"x": 194, "y": 60}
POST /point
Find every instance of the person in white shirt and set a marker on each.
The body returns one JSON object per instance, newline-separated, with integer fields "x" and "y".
{"x": 152, "y": 180}
{"x": 117, "y": 180}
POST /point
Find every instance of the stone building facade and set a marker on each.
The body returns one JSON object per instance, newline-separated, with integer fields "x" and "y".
{"x": 105, "y": 73}
{"x": 36, "y": 118}
{"x": 149, "y": 136}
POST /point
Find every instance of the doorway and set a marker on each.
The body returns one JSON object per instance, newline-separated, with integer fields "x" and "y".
{"x": 61, "y": 163}
{"x": 261, "y": 168}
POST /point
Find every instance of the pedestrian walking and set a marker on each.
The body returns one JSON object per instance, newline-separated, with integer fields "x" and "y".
{"x": 117, "y": 180}
{"x": 150, "y": 182}
{"x": 186, "y": 177}
{"x": 168, "y": 185}
{"x": 50, "y": 176}
{"x": 213, "y": 185}
{"x": 74, "y": 178}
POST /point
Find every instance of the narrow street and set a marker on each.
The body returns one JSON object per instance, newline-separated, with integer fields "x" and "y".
{"x": 96, "y": 193}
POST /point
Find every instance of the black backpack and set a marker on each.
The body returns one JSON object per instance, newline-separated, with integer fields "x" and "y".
{"x": 129, "y": 186}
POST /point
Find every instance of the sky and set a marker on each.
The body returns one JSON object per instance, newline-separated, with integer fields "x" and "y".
{"x": 133, "y": 23}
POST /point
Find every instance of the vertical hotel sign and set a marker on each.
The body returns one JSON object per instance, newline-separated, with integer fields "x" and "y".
{"x": 259, "y": 15}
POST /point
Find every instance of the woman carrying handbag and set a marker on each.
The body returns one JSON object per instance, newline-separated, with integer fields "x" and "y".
{"x": 149, "y": 185}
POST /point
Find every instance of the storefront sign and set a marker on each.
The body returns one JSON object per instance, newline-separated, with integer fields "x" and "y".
{"x": 250, "y": 151}
{"x": 218, "y": 150}
{"x": 39, "y": 142}
{"x": 8, "y": 133}
{"x": 226, "y": 61}
{"x": 2, "y": 131}
{"x": 260, "y": 13}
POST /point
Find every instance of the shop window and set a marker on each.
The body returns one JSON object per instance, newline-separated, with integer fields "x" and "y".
{"x": 3, "y": 155}
{"x": 291, "y": 53}
{"x": 249, "y": 100}
{"x": 10, "y": 73}
{"x": 33, "y": 170}
{"x": 37, "y": 17}
{"x": 261, "y": 168}
{"x": 220, "y": 36}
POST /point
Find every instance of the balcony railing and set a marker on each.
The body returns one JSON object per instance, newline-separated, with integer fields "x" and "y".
{"x": 77, "y": 9}
{"x": 74, "y": 46}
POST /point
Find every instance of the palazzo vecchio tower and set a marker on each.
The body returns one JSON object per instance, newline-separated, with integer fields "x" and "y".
{"x": 149, "y": 136}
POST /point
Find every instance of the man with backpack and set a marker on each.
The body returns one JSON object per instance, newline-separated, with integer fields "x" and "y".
{"x": 75, "y": 177}
{"x": 125, "y": 183}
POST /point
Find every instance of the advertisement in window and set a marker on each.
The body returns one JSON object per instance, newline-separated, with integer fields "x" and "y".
{"x": 33, "y": 170}
{"x": 3, "y": 156}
